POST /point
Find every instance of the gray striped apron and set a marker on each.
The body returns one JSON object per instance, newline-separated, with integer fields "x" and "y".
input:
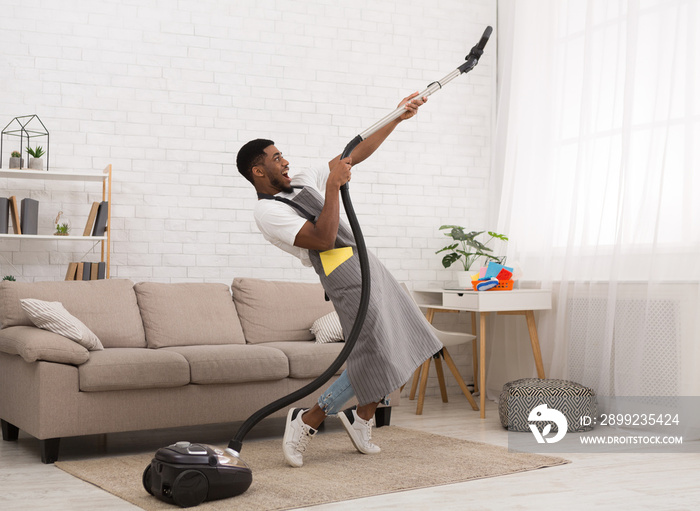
{"x": 395, "y": 338}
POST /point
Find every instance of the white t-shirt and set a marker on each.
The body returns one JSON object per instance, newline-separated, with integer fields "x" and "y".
{"x": 280, "y": 223}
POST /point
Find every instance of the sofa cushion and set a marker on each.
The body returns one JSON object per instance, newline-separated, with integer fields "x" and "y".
{"x": 328, "y": 329}
{"x": 54, "y": 317}
{"x": 32, "y": 344}
{"x": 233, "y": 363}
{"x": 278, "y": 311}
{"x": 185, "y": 314}
{"x": 133, "y": 368}
{"x": 107, "y": 307}
{"x": 309, "y": 359}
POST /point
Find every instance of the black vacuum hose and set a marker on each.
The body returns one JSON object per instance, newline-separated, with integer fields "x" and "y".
{"x": 236, "y": 443}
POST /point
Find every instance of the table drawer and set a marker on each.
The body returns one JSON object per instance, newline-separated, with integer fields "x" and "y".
{"x": 468, "y": 300}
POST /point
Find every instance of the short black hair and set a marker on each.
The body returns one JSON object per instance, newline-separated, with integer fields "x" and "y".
{"x": 250, "y": 155}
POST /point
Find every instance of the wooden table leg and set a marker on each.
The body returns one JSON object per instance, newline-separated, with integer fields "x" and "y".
{"x": 423, "y": 385}
{"x": 414, "y": 383}
{"x": 441, "y": 379}
{"x": 451, "y": 364}
{"x": 535, "y": 341}
{"x": 482, "y": 365}
{"x": 417, "y": 374}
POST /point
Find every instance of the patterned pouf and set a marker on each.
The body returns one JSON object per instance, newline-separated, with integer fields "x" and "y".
{"x": 519, "y": 397}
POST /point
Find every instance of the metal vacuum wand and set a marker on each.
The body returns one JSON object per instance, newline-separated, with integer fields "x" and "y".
{"x": 471, "y": 60}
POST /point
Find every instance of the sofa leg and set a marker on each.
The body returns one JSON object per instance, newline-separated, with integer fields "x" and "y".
{"x": 382, "y": 416}
{"x": 10, "y": 432}
{"x": 49, "y": 450}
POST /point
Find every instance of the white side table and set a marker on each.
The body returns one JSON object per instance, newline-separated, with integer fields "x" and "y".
{"x": 516, "y": 302}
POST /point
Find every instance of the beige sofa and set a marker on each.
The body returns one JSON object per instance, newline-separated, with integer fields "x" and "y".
{"x": 179, "y": 354}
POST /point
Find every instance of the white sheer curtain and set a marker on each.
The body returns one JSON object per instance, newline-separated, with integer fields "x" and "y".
{"x": 597, "y": 154}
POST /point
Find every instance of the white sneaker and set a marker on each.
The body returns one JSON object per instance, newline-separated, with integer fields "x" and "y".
{"x": 297, "y": 436}
{"x": 359, "y": 431}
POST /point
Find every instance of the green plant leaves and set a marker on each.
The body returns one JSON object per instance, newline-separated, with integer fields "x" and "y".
{"x": 449, "y": 259}
{"x": 499, "y": 236}
{"x": 36, "y": 153}
{"x": 467, "y": 246}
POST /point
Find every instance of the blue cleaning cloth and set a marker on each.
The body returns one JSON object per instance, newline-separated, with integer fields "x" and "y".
{"x": 485, "y": 285}
{"x": 493, "y": 269}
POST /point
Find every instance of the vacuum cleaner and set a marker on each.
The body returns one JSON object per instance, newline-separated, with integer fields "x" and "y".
{"x": 187, "y": 474}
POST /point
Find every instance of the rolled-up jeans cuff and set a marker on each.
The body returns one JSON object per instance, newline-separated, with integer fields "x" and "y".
{"x": 339, "y": 393}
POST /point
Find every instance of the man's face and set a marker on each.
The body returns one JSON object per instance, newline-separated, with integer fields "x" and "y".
{"x": 276, "y": 169}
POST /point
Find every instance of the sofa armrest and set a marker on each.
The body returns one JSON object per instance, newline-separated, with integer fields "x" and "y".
{"x": 34, "y": 344}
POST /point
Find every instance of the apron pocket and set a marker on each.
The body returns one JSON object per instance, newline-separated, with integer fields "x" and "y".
{"x": 331, "y": 259}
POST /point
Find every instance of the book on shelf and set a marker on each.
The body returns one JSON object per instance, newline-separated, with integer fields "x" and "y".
{"x": 85, "y": 270}
{"x": 101, "y": 219}
{"x": 72, "y": 269}
{"x": 4, "y": 215}
{"x": 29, "y": 220}
{"x": 91, "y": 219}
{"x": 14, "y": 213}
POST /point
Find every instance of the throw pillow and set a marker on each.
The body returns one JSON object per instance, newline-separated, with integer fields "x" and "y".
{"x": 52, "y": 316}
{"x": 327, "y": 328}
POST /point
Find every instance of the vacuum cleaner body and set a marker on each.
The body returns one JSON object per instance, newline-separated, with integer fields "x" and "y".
{"x": 187, "y": 474}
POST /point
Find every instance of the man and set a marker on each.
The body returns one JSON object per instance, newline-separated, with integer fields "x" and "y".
{"x": 301, "y": 215}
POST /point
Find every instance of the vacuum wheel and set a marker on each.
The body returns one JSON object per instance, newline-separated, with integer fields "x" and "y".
{"x": 146, "y": 479}
{"x": 190, "y": 488}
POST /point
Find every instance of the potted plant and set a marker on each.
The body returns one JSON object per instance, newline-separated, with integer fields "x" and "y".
{"x": 62, "y": 229}
{"x": 16, "y": 160}
{"x": 467, "y": 249}
{"x": 10, "y": 278}
{"x": 36, "y": 162}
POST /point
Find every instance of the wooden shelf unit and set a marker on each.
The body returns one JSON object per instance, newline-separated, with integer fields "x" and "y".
{"x": 105, "y": 177}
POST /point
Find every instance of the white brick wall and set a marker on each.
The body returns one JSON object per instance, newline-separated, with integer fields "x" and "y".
{"x": 168, "y": 91}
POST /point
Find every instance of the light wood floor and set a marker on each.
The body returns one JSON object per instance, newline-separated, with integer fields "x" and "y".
{"x": 592, "y": 481}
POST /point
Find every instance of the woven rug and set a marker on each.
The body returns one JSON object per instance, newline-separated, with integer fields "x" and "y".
{"x": 333, "y": 470}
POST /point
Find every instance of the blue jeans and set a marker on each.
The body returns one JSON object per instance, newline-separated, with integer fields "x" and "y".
{"x": 339, "y": 393}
